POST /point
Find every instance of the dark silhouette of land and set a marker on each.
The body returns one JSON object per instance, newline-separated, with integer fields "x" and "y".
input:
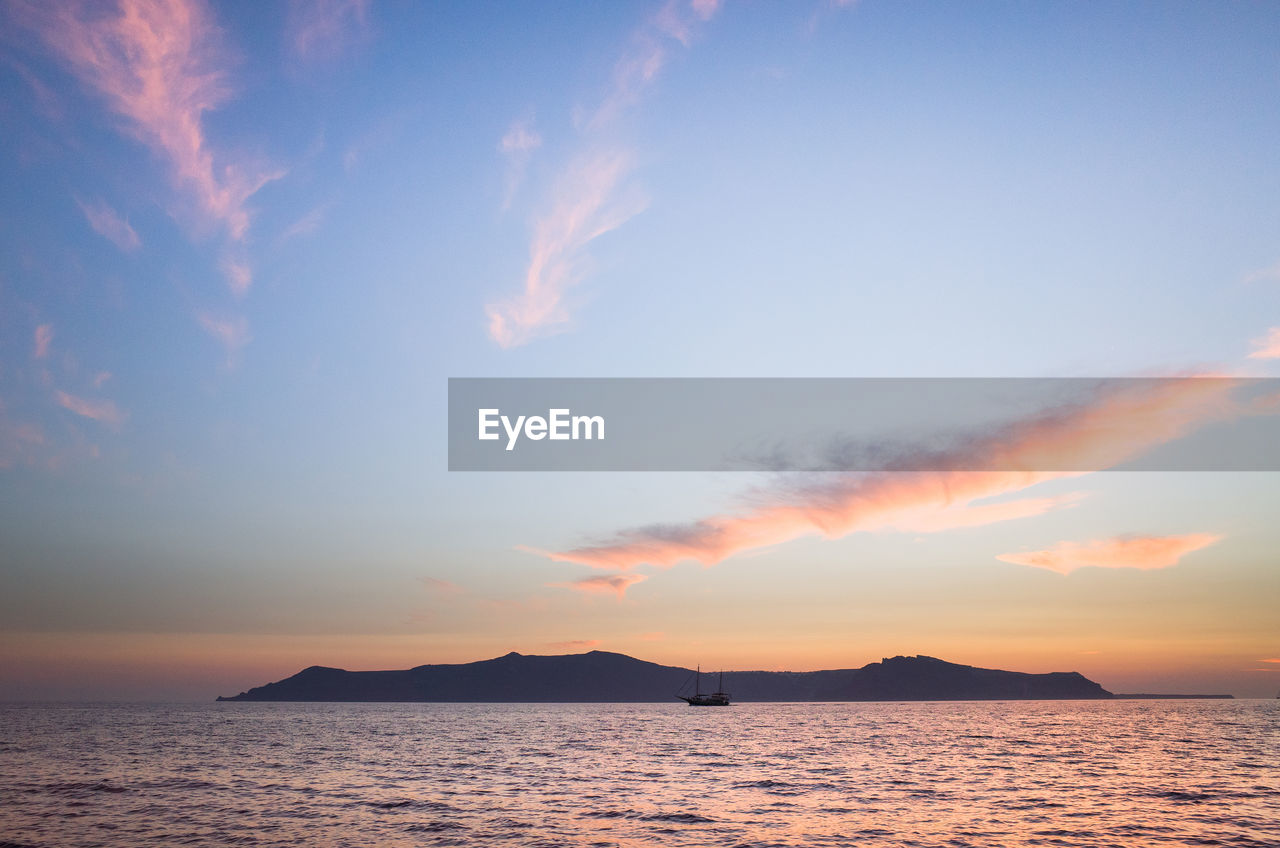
{"x": 600, "y": 676}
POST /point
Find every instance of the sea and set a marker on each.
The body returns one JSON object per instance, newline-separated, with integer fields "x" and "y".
{"x": 983, "y": 774}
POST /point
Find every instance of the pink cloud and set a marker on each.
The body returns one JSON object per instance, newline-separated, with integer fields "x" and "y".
{"x": 239, "y": 275}
{"x": 20, "y": 441}
{"x": 1118, "y": 425}
{"x": 321, "y": 30}
{"x": 574, "y": 645}
{"x": 160, "y": 66}
{"x": 1270, "y": 661}
{"x": 233, "y": 332}
{"x": 307, "y": 224}
{"x": 100, "y": 378}
{"x": 586, "y": 206}
{"x": 1269, "y": 347}
{"x": 107, "y": 223}
{"x": 102, "y": 411}
{"x": 589, "y": 199}
{"x": 1141, "y": 552}
{"x": 520, "y": 137}
{"x": 517, "y": 145}
{"x": 43, "y": 337}
{"x": 616, "y": 584}
{"x": 1271, "y": 273}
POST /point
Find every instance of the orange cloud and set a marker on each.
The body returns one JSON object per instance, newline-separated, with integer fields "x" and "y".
{"x": 444, "y": 587}
{"x": 43, "y": 337}
{"x": 585, "y": 207}
{"x": 1119, "y": 424}
{"x": 574, "y": 645}
{"x": 107, "y": 223}
{"x": 1270, "y": 661}
{"x": 160, "y": 66}
{"x": 1142, "y": 552}
{"x": 615, "y": 583}
{"x": 103, "y": 411}
{"x": 1269, "y": 347}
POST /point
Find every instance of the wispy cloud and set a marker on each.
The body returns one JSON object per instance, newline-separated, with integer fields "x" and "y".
{"x": 320, "y": 30}
{"x": 307, "y": 224}
{"x": 101, "y": 378}
{"x": 443, "y": 587}
{"x": 1117, "y": 425}
{"x": 1277, "y": 660}
{"x": 1270, "y": 273}
{"x": 159, "y": 65}
{"x": 107, "y": 223}
{"x": 615, "y": 584}
{"x": 1267, "y": 347}
{"x": 1141, "y": 552}
{"x": 591, "y": 197}
{"x": 574, "y": 645}
{"x": 100, "y": 410}
{"x": 231, "y": 331}
{"x": 43, "y": 338}
{"x": 517, "y": 146}
{"x": 238, "y": 273}
{"x": 20, "y": 441}
{"x": 587, "y": 204}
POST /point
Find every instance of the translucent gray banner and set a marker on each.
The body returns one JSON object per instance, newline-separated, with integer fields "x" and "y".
{"x": 865, "y": 425}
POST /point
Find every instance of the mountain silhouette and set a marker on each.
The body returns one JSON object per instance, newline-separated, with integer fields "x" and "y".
{"x": 601, "y": 676}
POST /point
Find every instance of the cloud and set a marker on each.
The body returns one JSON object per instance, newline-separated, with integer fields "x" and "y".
{"x": 517, "y": 145}
{"x": 1117, "y": 425}
{"x": 590, "y": 198}
{"x": 232, "y": 332}
{"x": 43, "y": 337}
{"x": 100, "y": 378}
{"x": 586, "y": 205}
{"x": 159, "y": 65}
{"x": 321, "y": 30}
{"x": 616, "y": 584}
{"x": 521, "y": 137}
{"x": 647, "y": 55}
{"x": 1269, "y": 347}
{"x": 107, "y": 223}
{"x": 102, "y": 411}
{"x": 1271, "y": 273}
{"x": 1270, "y": 661}
{"x": 1141, "y": 552}
{"x": 574, "y": 645}
{"x": 443, "y": 587}
{"x": 20, "y": 441}
{"x": 307, "y": 224}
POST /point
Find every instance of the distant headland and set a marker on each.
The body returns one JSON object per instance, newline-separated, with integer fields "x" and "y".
{"x": 603, "y": 677}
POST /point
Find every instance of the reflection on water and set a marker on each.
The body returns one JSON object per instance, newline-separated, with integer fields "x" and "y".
{"x": 1129, "y": 773}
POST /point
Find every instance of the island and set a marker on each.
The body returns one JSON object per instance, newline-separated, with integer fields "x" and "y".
{"x": 605, "y": 677}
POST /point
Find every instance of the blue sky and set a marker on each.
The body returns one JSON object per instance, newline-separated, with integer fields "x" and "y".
{"x": 245, "y": 247}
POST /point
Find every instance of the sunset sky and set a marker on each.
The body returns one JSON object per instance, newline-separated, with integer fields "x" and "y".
{"x": 245, "y": 246}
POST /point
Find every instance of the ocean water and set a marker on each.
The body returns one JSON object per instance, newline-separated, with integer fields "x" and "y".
{"x": 1122, "y": 773}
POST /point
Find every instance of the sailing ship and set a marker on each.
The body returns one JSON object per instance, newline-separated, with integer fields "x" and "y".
{"x": 697, "y": 699}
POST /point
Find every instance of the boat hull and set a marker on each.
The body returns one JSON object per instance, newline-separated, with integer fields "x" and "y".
{"x": 717, "y": 700}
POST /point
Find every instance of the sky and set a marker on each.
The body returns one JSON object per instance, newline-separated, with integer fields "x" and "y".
{"x": 246, "y": 245}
